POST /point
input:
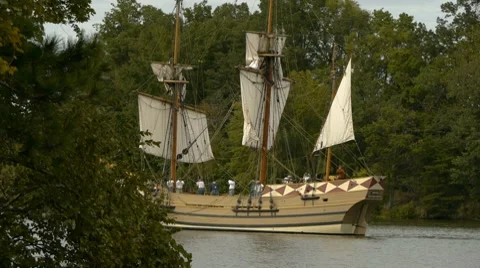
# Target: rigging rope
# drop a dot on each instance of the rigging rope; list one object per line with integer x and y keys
{"x": 288, "y": 150}
{"x": 363, "y": 158}
{"x": 166, "y": 196}
{"x": 226, "y": 117}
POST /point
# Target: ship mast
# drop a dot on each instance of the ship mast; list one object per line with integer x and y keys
{"x": 176, "y": 102}
{"x": 329, "y": 150}
{"x": 268, "y": 94}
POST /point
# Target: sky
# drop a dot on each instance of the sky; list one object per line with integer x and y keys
{"x": 425, "y": 11}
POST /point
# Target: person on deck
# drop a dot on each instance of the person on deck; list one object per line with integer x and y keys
{"x": 200, "y": 186}
{"x": 179, "y": 186}
{"x": 231, "y": 187}
{"x": 306, "y": 177}
{"x": 340, "y": 173}
{"x": 155, "y": 189}
{"x": 170, "y": 185}
{"x": 251, "y": 186}
{"x": 258, "y": 189}
{"x": 214, "y": 189}
{"x": 288, "y": 179}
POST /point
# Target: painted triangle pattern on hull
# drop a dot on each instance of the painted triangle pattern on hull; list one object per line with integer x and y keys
{"x": 350, "y": 185}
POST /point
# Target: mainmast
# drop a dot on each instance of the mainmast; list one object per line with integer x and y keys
{"x": 268, "y": 94}
{"x": 176, "y": 102}
{"x": 264, "y": 90}
{"x": 329, "y": 150}
{"x": 181, "y": 130}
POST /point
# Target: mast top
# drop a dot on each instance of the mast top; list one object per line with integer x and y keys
{"x": 270, "y": 16}
{"x": 176, "y": 51}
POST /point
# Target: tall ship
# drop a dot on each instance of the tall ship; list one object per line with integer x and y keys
{"x": 328, "y": 206}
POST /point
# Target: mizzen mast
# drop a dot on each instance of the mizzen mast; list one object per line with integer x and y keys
{"x": 329, "y": 150}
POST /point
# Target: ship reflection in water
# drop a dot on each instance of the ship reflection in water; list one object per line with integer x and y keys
{"x": 383, "y": 246}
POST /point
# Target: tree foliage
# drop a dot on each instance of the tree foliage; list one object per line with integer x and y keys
{"x": 21, "y": 20}
{"x": 70, "y": 183}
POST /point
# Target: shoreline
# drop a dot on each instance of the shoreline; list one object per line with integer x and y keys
{"x": 429, "y": 223}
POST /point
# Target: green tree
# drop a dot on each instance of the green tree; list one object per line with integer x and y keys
{"x": 70, "y": 187}
{"x": 463, "y": 83}
{"x": 21, "y": 20}
{"x": 388, "y": 60}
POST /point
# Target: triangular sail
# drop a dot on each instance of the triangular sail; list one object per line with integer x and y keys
{"x": 338, "y": 127}
{"x": 252, "y": 82}
{"x": 193, "y": 141}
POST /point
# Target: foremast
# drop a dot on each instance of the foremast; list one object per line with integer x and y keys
{"x": 181, "y": 131}
{"x": 176, "y": 104}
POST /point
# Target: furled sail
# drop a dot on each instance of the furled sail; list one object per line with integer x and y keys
{"x": 257, "y": 45}
{"x": 193, "y": 141}
{"x": 166, "y": 71}
{"x": 252, "y": 82}
{"x": 338, "y": 127}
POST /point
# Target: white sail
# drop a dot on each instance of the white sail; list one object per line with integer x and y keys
{"x": 193, "y": 141}
{"x": 252, "y": 83}
{"x": 253, "y": 103}
{"x": 338, "y": 127}
{"x": 165, "y": 71}
{"x": 256, "y": 43}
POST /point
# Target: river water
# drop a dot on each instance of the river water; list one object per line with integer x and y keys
{"x": 383, "y": 246}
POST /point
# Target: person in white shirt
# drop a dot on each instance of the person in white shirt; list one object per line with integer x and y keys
{"x": 170, "y": 185}
{"x": 288, "y": 179}
{"x": 179, "y": 186}
{"x": 231, "y": 187}
{"x": 306, "y": 177}
{"x": 201, "y": 186}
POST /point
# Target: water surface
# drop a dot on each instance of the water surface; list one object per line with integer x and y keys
{"x": 383, "y": 246}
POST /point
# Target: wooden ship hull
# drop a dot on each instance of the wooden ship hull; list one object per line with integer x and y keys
{"x": 340, "y": 207}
